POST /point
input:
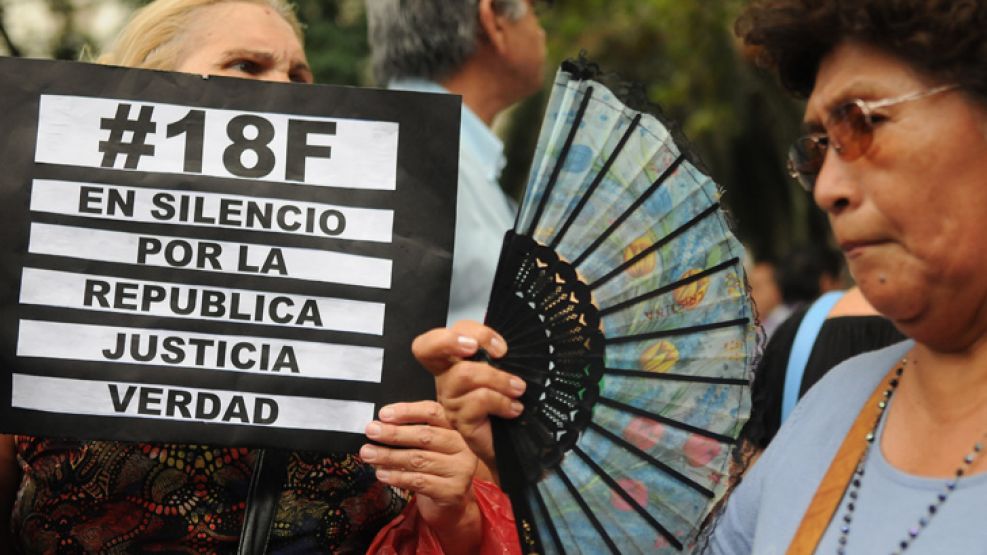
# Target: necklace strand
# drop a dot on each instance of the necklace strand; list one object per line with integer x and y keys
{"x": 853, "y": 490}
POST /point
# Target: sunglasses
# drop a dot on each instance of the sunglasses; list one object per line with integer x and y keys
{"x": 849, "y": 130}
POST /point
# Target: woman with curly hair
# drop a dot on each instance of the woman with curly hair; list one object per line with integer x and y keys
{"x": 885, "y": 454}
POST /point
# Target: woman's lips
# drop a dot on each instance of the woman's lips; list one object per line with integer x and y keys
{"x": 854, "y": 248}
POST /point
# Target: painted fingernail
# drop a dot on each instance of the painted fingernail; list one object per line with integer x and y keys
{"x": 497, "y": 346}
{"x": 518, "y": 385}
{"x": 467, "y": 343}
{"x": 373, "y": 429}
{"x": 516, "y": 408}
{"x": 368, "y": 452}
{"x": 383, "y": 474}
{"x": 387, "y": 413}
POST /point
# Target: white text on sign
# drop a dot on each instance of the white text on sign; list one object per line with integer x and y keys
{"x": 210, "y": 256}
{"x": 176, "y": 300}
{"x": 102, "y": 398}
{"x": 167, "y": 138}
{"x": 235, "y": 353}
{"x": 113, "y": 202}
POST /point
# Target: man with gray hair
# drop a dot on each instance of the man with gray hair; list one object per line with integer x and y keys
{"x": 492, "y": 53}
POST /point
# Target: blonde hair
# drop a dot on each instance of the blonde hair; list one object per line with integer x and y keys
{"x": 151, "y": 38}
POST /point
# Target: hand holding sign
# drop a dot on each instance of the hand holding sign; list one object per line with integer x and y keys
{"x": 430, "y": 459}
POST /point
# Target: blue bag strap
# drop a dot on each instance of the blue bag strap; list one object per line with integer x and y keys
{"x": 805, "y": 338}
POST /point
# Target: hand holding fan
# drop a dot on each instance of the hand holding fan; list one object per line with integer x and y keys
{"x": 622, "y": 297}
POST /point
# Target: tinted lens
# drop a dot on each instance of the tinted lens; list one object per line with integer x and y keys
{"x": 850, "y": 129}
{"x": 805, "y": 159}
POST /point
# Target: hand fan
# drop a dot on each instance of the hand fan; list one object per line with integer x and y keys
{"x": 622, "y": 297}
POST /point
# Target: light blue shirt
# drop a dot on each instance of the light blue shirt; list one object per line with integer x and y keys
{"x": 764, "y": 512}
{"x": 483, "y": 212}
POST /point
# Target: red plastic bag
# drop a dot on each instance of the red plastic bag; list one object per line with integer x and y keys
{"x": 408, "y": 534}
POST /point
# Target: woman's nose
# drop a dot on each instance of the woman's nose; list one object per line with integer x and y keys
{"x": 836, "y": 188}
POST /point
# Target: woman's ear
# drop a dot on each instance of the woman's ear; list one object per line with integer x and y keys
{"x": 491, "y": 26}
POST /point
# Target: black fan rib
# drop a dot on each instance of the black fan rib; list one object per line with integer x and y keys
{"x": 677, "y": 331}
{"x": 507, "y": 459}
{"x": 658, "y": 244}
{"x": 586, "y": 510}
{"x": 518, "y": 358}
{"x": 560, "y": 161}
{"x": 545, "y": 341}
{"x": 515, "y": 325}
{"x": 535, "y": 288}
{"x": 516, "y": 368}
{"x": 674, "y": 377}
{"x": 510, "y": 309}
{"x": 548, "y": 400}
{"x": 665, "y": 420}
{"x": 597, "y": 179}
{"x": 615, "y": 487}
{"x": 630, "y": 210}
{"x": 502, "y": 280}
{"x": 516, "y": 334}
{"x": 547, "y": 517}
{"x": 652, "y": 461}
{"x": 538, "y": 338}
{"x": 670, "y": 287}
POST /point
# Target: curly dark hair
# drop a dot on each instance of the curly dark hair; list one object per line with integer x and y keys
{"x": 942, "y": 39}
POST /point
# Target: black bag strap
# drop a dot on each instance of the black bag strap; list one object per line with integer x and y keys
{"x": 262, "y": 501}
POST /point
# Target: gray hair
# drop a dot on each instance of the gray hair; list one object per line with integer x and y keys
{"x": 429, "y": 39}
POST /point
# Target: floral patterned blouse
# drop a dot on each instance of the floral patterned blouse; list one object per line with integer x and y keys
{"x": 114, "y": 497}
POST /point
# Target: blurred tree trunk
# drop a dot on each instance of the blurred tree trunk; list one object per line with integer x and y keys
{"x": 8, "y": 44}
{"x": 69, "y": 41}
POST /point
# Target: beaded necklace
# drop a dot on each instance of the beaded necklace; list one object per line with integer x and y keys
{"x": 853, "y": 490}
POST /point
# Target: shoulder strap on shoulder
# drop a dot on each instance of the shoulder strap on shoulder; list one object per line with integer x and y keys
{"x": 833, "y": 486}
{"x": 805, "y": 338}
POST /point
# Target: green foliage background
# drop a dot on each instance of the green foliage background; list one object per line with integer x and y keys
{"x": 684, "y": 54}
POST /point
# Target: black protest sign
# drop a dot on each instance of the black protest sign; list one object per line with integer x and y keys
{"x": 217, "y": 260}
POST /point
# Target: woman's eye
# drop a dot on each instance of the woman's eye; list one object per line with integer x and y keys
{"x": 246, "y": 66}
{"x": 878, "y": 118}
